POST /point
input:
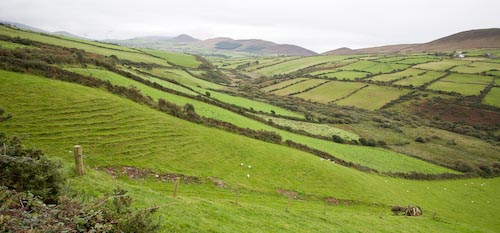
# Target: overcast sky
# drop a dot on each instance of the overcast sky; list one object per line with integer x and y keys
{"x": 319, "y": 25}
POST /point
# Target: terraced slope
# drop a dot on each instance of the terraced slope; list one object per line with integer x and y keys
{"x": 92, "y": 47}
{"x": 377, "y": 158}
{"x": 118, "y": 132}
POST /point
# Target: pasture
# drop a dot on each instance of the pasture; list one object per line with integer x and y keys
{"x": 442, "y": 65}
{"x": 460, "y": 88}
{"x": 493, "y": 97}
{"x": 297, "y": 64}
{"x": 467, "y": 78}
{"x": 477, "y": 67}
{"x": 372, "y": 97}
{"x": 421, "y": 79}
{"x": 282, "y": 84}
{"x": 184, "y": 148}
{"x": 377, "y": 158}
{"x": 92, "y": 47}
{"x": 299, "y": 87}
{"x": 330, "y": 91}
{"x": 398, "y": 75}
{"x": 344, "y": 75}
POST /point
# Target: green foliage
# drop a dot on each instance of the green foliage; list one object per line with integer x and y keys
{"x": 27, "y": 170}
{"x": 22, "y": 211}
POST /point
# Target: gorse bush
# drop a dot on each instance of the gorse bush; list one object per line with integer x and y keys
{"x": 24, "y": 212}
{"x": 28, "y": 170}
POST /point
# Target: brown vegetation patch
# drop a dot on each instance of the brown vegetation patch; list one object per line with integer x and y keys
{"x": 457, "y": 114}
{"x": 288, "y": 193}
{"x": 138, "y": 173}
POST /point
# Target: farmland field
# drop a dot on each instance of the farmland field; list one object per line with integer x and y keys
{"x": 373, "y": 97}
{"x": 326, "y": 130}
{"x": 183, "y": 77}
{"x": 420, "y": 80}
{"x": 298, "y": 87}
{"x": 493, "y": 97}
{"x": 461, "y": 88}
{"x": 344, "y": 75}
{"x": 442, "y": 65}
{"x": 297, "y": 64}
{"x": 283, "y": 84}
{"x": 417, "y": 60}
{"x": 394, "y": 76}
{"x": 467, "y": 78}
{"x": 182, "y": 59}
{"x": 214, "y": 153}
{"x": 330, "y": 91}
{"x": 476, "y": 67}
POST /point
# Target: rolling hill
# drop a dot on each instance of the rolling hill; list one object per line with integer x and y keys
{"x": 473, "y": 39}
{"x": 216, "y": 45}
{"x": 146, "y": 117}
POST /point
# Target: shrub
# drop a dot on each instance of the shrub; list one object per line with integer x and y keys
{"x": 29, "y": 170}
{"x": 109, "y": 214}
{"x": 337, "y": 139}
{"x": 420, "y": 139}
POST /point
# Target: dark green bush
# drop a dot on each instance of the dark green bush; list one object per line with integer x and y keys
{"x": 28, "y": 170}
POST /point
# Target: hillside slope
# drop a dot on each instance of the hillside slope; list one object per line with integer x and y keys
{"x": 218, "y": 44}
{"x": 117, "y": 132}
{"x": 473, "y": 39}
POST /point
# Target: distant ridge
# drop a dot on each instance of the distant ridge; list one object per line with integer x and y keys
{"x": 219, "y": 44}
{"x": 472, "y": 39}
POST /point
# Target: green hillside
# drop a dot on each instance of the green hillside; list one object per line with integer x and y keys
{"x": 118, "y": 132}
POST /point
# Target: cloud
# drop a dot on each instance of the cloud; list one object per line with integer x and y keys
{"x": 315, "y": 24}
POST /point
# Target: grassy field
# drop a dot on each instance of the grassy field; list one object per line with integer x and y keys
{"x": 186, "y": 60}
{"x": 264, "y": 62}
{"x": 493, "y": 97}
{"x": 420, "y": 80}
{"x": 252, "y": 104}
{"x": 297, "y": 64}
{"x": 373, "y": 97}
{"x": 326, "y": 130}
{"x": 398, "y": 75}
{"x": 417, "y": 60}
{"x": 373, "y": 67}
{"x": 183, "y": 77}
{"x": 343, "y": 75}
{"x": 381, "y": 159}
{"x": 117, "y": 132}
{"x": 93, "y": 47}
{"x": 330, "y": 91}
{"x": 11, "y": 45}
{"x": 467, "y": 78}
{"x": 476, "y": 68}
{"x": 282, "y": 84}
{"x": 299, "y": 86}
{"x": 461, "y": 88}
{"x": 442, "y": 65}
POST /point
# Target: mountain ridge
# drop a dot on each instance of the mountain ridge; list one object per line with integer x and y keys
{"x": 470, "y": 39}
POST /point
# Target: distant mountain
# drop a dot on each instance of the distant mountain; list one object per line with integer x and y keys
{"x": 215, "y": 45}
{"x": 23, "y": 26}
{"x": 67, "y": 34}
{"x": 183, "y": 38}
{"x": 473, "y": 39}
{"x": 341, "y": 51}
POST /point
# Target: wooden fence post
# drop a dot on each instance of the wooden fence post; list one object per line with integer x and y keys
{"x": 236, "y": 199}
{"x": 176, "y": 185}
{"x": 288, "y": 204}
{"x": 324, "y": 208}
{"x": 78, "y": 153}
